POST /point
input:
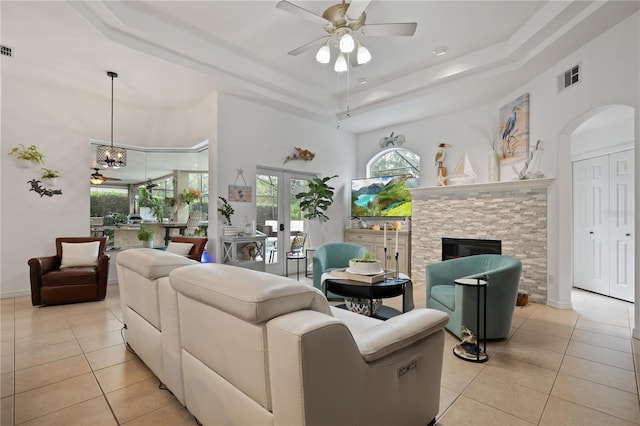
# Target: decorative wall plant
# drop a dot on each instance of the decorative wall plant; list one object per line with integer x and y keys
{"x": 29, "y": 154}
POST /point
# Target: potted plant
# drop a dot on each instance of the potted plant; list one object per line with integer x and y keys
{"x": 367, "y": 264}
{"x": 147, "y": 199}
{"x": 190, "y": 195}
{"x": 30, "y": 155}
{"x": 145, "y": 234}
{"x": 50, "y": 177}
{"x": 226, "y": 210}
{"x": 315, "y": 202}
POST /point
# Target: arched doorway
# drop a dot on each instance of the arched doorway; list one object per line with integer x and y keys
{"x": 599, "y": 131}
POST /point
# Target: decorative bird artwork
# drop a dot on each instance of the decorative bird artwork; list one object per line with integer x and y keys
{"x": 510, "y": 132}
{"x": 440, "y": 153}
{"x": 514, "y": 130}
{"x": 391, "y": 140}
{"x": 300, "y": 154}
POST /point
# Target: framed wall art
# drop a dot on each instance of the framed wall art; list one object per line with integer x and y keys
{"x": 514, "y": 130}
{"x": 240, "y": 193}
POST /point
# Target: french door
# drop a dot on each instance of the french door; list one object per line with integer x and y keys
{"x": 278, "y": 212}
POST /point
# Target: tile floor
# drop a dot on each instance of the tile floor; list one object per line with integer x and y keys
{"x": 67, "y": 365}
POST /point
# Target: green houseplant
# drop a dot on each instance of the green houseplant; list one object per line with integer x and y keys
{"x": 145, "y": 234}
{"x": 317, "y": 200}
{"x": 29, "y": 154}
{"x": 147, "y": 199}
{"x": 226, "y": 211}
{"x": 49, "y": 177}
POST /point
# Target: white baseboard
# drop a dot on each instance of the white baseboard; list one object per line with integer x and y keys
{"x": 15, "y": 293}
{"x": 559, "y": 305}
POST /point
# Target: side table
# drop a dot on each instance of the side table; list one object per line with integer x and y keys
{"x": 306, "y": 262}
{"x": 461, "y": 349}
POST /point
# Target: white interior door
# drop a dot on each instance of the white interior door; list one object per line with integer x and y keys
{"x": 591, "y": 224}
{"x": 622, "y": 225}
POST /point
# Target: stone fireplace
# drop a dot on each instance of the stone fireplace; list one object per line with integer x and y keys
{"x": 453, "y": 248}
{"x": 514, "y": 213}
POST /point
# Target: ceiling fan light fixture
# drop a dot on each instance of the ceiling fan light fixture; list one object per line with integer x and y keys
{"x": 341, "y": 64}
{"x": 96, "y": 181}
{"x": 364, "y": 55}
{"x": 347, "y": 44}
{"x": 324, "y": 54}
{"x": 110, "y": 156}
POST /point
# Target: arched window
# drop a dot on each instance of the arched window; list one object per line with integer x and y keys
{"x": 393, "y": 162}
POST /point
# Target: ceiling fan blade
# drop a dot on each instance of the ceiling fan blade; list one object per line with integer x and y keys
{"x": 315, "y": 43}
{"x": 304, "y": 13}
{"x": 398, "y": 29}
{"x": 108, "y": 178}
{"x": 356, "y": 7}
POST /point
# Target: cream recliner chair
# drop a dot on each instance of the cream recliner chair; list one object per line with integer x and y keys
{"x": 150, "y": 311}
{"x": 260, "y": 349}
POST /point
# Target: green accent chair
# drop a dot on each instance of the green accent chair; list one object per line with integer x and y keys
{"x": 332, "y": 256}
{"x": 460, "y": 302}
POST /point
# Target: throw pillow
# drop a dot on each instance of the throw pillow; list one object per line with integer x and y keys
{"x": 182, "y": 249}
{"x": 79, "y": 254}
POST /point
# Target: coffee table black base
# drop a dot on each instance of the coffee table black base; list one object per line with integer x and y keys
{"x": 384, "y": 313}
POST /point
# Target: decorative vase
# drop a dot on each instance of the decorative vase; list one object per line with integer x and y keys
{"x": 494, "y": 167}
{"x": 50, "y": 182}
{"x": 147, "y": 244}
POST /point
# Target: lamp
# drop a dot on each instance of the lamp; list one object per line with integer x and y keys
{"x": 111, "y": 156}
{"x": 346, "y": 44}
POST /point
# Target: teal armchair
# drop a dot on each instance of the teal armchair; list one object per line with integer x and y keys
{"x": 332, "y": 256}
{"x": 460, "y": 302}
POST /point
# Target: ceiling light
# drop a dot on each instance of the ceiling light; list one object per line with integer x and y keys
{"x": 96, "y": 181}
{"x": 439, "y": 51}
{"x": 324, "y": 54}
{"x": 341, "y": 64}
{"x": 364, "y": 55}
{"x": 111, "y": 156}
{"x": 347, "y": 44}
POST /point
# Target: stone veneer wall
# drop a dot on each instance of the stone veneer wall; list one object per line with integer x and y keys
{"x": 517, "y": 217}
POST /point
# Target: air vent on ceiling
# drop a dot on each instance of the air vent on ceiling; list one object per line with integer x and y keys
{"x": 569, "y": 78}
{"x": 6, "y": 51}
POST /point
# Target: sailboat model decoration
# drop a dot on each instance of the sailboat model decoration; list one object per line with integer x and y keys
{"x": 463, "y": 174}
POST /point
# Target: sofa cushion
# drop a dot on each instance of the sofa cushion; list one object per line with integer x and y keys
{"x": 252, "y": 296}
{"x": 78, "y": 275}
{"x": 445, "y": 294}
{"x": 181, "y": 249}
{"x": 79, "y": 254}
{"x": 151, "y": 263}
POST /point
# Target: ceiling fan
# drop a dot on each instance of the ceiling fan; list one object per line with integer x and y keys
{"x": 344, "y": 19}
{"x": 98, "y": 178}
{"x": 149, "y": 185}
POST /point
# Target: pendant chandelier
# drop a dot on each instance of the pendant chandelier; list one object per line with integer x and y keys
{"x": 111, "y": 156}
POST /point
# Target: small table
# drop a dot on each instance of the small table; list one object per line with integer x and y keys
{"x": 391, "y": 287}
{"x": 297, "y": 256}
{"x": 458, "y": 350}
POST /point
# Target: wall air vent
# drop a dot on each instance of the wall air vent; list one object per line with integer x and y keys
{"x": 6, "y": 51}
{"x": 569, "y": 78}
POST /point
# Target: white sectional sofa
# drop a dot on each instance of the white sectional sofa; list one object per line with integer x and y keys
{"x": 260, "y": 349}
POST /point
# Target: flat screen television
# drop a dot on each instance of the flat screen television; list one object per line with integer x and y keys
{"x": 382, "y": 196}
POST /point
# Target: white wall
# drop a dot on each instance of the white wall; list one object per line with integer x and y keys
{"x": 251, "y": 134}
{"x": 610, "y": 65}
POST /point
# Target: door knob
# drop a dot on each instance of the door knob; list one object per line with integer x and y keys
{"x": 591, "y": 232}
{"x": 627, "y": 235}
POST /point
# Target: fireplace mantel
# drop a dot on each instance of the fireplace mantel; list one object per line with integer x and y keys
{"x": 515, "y": 185}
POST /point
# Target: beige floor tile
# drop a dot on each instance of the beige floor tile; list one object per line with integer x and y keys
{"x": 120, "y": 375}
{"x": 6, "y": 411}
{"x": 171, "y": 414}
{"x": 41, "y": 327}
{"x": 137, "y": 400}
{"x": 614, "y": 377}
{"x": 92, "y": 412}
{"x": 456, "y": 373}
{"x": 100, "y": 341}
{"x": 517, "y": 321}
{"x": 85, "y": 318}
{"x": 544, "y": 327}
{"x": 520, "y": 372}
{"x": 47, "y": 399}
{"x": 606, "y": 316}
{"x": 512, "y": 398}
{"x": 41, "y": 340}
{"x": 447, "y": 396}
{"x": 596, "y": 396}
{"x": 465, "y": 411}
{"x": 52, "y": 372}
{"x": 600, "y": 354}
{"x": 7, "y": 364}
{"x": 565, "y": 317}
{"x": 7, "y": 384}
{"x": 47, "y": 354}
{"x": 598, "y": 327}
{"x": 560, "y": 412}
{"x": 604, "y": 340}
{"x": 536, "y": 356}
{"x": 85, "y": 307}
{"x": 539, "y": 340}
{"x": 97, "y": 328}
{"x": 107, "y": 357}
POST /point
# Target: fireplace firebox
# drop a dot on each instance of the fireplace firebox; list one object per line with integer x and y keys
{"x": 453, "y": 248}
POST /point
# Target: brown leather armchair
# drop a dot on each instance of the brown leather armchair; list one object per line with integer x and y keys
{"x": 51, "y": 285}
{"x": 199, "y": 244}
